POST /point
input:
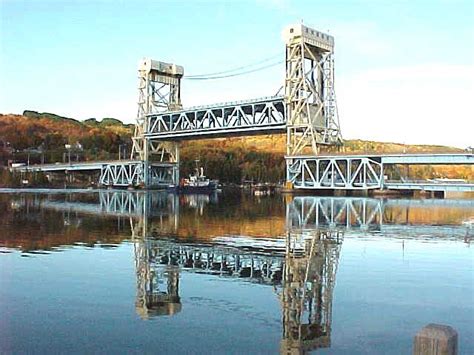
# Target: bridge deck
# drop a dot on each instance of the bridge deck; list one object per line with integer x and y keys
{"x": 85, "y": 166}
{"x": 432, "y": 159}
{"x": 430, "y": 186}
{"x": 251, "y": 117}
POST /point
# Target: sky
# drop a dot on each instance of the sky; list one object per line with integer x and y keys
{"x": 404, "y": 69}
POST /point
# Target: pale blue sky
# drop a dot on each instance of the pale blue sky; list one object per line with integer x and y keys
{"x": 404, "y": 69}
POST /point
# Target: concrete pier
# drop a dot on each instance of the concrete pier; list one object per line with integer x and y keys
{"x": 436, "y": 339}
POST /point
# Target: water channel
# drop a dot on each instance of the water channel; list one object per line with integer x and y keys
{"x": 123, "y": 271}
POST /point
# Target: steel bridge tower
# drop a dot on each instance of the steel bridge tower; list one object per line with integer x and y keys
{"x": 310, "y": 99}
{"x": 159, "y": 90}
{"x": 312, "y": 117}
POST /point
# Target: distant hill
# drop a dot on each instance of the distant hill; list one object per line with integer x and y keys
{"x": 42, "y": 137}
{"x": 48, "y": 133}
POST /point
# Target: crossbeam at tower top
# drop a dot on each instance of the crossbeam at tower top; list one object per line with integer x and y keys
{"x": 311, "y": 36}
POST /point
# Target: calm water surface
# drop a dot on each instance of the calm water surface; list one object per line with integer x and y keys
{"x": 116, "y": 272}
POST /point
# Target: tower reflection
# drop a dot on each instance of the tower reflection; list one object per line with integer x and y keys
{"x": 157, "y": 282}
{"x": 309, "y": 275}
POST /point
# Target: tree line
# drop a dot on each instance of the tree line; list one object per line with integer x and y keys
{"x": 42, "y": 138}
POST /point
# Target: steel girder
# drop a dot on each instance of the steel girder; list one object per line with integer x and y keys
{"x": 245, "y": 117}
{"x": 163, "y": 175}
{"x": 126, "y": 174}
{"x": 340, "y": 173}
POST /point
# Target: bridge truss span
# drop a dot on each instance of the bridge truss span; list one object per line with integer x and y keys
{"x": 132, "y": 173}
{"x": 122, "y": 174}
{"x": 260, "y": 116}
{"x": 335, "y": 172}
{"x": 368, "y": 172}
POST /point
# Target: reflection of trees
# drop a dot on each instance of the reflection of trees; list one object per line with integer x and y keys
{"x": 92, "y": 218}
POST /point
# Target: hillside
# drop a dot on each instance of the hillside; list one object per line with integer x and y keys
{"x": 43, "y": 136}
{"x": 260, "y": 158}
{"x": 276, "y": 144}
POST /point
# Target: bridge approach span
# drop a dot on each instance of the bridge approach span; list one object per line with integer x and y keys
{"x": 119, "y": 173}
{"x": 364, "y": 172}
{"x": 74, "y": 166}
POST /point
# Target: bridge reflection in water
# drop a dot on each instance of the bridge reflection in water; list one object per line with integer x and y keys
{"x": 299, "y": 260}
{"x": 302, "y": 268}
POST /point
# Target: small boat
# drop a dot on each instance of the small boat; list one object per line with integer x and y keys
{"x": 196, "y": 183}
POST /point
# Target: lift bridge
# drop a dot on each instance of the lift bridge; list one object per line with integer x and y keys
{"x": 306, "y": 112}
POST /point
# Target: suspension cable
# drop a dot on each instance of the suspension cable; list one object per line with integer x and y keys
{"x": 212, "y": 77}
{"x": 237, "y": 68}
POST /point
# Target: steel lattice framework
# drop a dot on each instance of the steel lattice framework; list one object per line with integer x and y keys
{"x": 358, "y": 172}
{"x": 122, "y": 174}
{"x": 260, "y": 116}
{"x": 307, "y": 112}
{"x": 159, "y": 90}
{"x": 312, "y": 117}
{"x": 345, "y": 172}
{"x": 133, "y": 174}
